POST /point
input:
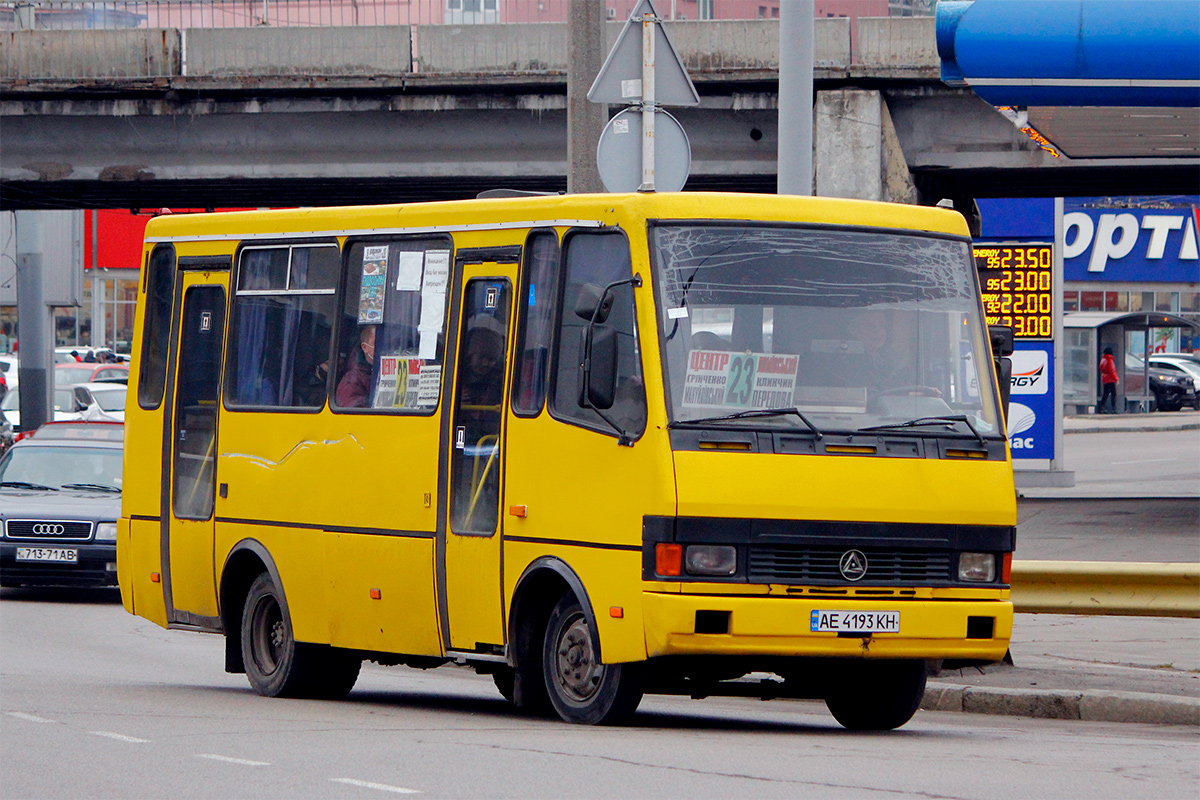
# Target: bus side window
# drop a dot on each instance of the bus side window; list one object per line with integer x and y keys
{"x": 156, "y": 331}
{"x": 598, "y": 259}
{"x": 392, "y": 329}
{"x": 283, "y": 316}
{"x": 539, "y": 289}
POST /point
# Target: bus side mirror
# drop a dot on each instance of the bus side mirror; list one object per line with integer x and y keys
{"x": 1004, "y": 375}
{"x": 594, "y": 303}
{"x": 1001, "y": 340}
{"x": 601, "y": 376}
{"x": 1001, "y": 337}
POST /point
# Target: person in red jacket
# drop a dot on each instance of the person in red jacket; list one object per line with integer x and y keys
{"x": 1108, "y": 382}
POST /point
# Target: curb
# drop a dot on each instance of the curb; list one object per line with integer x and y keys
{"x": 1187, "y": 426}
{"x": 1094, "y": 705}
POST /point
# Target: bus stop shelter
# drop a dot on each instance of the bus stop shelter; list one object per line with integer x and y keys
{"x": 1085, "y": 336}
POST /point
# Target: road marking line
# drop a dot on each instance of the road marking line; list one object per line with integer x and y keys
{"x": 383, "y": 787}
{"x": 228, "y": 759}
{"x": 120, "y": 737}
{"x": 27, "y": 717}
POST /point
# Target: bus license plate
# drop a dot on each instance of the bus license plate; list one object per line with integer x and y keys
{"x": 47, "y": 554}
{"x": 855, "y": 621}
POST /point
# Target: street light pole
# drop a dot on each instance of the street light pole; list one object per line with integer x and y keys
{"x": 795, "y": 162}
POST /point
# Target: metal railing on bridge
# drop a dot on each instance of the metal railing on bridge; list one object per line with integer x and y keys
{"x": 182, "y": 14}
{"x": 233, "y": 39}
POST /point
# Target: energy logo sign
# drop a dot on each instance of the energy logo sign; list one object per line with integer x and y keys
{"x": 1031, "y": 410}
{"x": 1030, "y": 372}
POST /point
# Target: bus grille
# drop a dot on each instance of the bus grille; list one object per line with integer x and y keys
{"x": 48, "y": 530}
{"x": 803, "y": 564}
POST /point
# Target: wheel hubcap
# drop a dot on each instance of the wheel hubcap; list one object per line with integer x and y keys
{"x": 269, "y": 635}
{"x": 576, "y": 670}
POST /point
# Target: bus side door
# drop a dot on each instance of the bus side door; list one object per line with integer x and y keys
{"x": 473, "y": 611}
{"x": 190, "y": 450}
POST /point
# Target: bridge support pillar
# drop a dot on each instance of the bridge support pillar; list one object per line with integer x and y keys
{"x": 857, "y": 152}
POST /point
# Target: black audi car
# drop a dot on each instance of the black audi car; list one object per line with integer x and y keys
{"x": 60, "y": 498}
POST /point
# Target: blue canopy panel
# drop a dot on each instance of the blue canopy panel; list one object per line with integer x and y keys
{"x": 1073, "y": 52}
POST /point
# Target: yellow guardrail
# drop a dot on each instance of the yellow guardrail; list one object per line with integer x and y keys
{"x": 1106, "y": 587}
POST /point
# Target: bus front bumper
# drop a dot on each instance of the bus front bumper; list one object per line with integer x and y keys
{"x": 680, "y": 624}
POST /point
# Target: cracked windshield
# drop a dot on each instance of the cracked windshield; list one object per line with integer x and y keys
{"x": 851, "y": 328}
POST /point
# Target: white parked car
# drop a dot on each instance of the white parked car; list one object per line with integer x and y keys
{"x": 70, "y": 403}
{"x": 1178, "y": 362}
{"x": 109, "y": 405}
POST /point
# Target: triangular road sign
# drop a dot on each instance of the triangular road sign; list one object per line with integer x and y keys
{"x": 620, "y": 79}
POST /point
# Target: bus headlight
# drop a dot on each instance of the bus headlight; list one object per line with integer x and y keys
{"x": 976, "y": 567}
{"x": 710, "y": 559}
{"x": 106, "y": 532}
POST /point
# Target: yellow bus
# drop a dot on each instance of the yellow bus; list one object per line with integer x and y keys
{"x": 595, "y": 446}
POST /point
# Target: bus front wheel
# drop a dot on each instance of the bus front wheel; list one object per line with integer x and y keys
{"x": 877, "y": 695}
{"x": 279, "y": 666}
{"x": 581, "y": 689}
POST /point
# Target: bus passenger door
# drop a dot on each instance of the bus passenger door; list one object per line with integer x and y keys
{"x": 474, "y": 612}
{"x": 189, "y": 487}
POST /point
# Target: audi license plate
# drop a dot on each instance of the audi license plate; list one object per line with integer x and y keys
{"x": 855, "y": 621}
{"x": 47, "y": 554}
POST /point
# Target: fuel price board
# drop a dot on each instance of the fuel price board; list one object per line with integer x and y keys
{"x": 1017, "y": 284}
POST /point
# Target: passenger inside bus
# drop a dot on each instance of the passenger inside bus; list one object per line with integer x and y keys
{"x": 354, "y": 389}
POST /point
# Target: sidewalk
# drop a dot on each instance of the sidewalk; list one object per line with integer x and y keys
{"x": 1094, "y": 668}
{"x": 1182, "y": 420}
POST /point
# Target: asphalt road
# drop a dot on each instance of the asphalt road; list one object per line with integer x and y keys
{"x": 1118, "y": 529}
{"x": 1136, "y": 498}
{"x": 1148, "y": 463}
{"x": 99, "y": 704}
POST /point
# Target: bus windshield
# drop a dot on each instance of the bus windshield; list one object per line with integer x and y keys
{"x": 853, "y": 328}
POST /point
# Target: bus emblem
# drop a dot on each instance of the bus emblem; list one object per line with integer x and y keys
{"x": 853, "y": 565}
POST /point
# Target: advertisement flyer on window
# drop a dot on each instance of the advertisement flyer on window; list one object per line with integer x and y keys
{"x": 407, "y": 383}
{"x": 721, "y": 380}
{"x": 374, "y": 284}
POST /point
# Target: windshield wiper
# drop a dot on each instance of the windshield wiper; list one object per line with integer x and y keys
{"x": 914, "y": 423}
{"x": 99, "y": 487}
{"x": 753, "y": 412}
{"x": 27, "y": 485}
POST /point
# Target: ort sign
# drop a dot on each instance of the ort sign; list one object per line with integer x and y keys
{"x": 1104, "y": 241}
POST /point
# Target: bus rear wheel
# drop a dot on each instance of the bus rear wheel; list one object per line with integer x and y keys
{"x": 279, "y": 666}
{"x": 877, "y": 695}
{"x": 581, "y": 689}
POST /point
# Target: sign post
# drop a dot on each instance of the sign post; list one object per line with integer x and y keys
{"x": 648, "y": 105}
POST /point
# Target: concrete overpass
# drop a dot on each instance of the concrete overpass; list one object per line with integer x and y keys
{"x": 307, "y": 116}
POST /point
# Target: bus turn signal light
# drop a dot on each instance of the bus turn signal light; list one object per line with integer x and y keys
{"x": 668, "y": 559}
{"x": 155, "y": 577}
{"x": 376, "y": 594}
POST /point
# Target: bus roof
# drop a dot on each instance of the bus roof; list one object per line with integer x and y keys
{"x": 550, "y": 211}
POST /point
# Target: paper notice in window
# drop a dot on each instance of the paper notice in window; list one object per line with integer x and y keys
{"x": 374, "y": 284}
{"x": 434, "y": 284}
{"x": 428, "y": 385}
{"x": 408, "y": 271}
